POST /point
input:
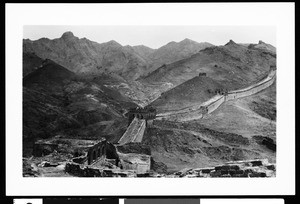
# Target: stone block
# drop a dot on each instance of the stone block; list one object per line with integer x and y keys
{"x": 224, "y": 172}
{"x": 215, "y": 173}
{"x": 232, "y": 172}
{"x": 271, "y": 167}
{"x": 234, "y": 167}
{"x": 239, "y": 172}
{"x": 257, "y": 174}
{"x": 256, "y": 163}
{"x": 225, "y": 167}
{"x": 206, "y": 171}
{"x": 248, "y": 171}
{"x": 244, "y": 175}
{"x": 226, "y": 175}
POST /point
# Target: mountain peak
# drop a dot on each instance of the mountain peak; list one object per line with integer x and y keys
{"x": 186, "y": 40}
{"x": 231, "y": 42}
{"x": 67, "y": 35}
{"x": 113, "y": 43}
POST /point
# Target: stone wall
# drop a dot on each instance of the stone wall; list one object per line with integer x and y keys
{"x": 96, "y": 151}
{"x": 215, "y": 104}
{"x": 252, "y": 89}
{"x": 134, "y": 132}
{"x": 140, "y": 132}
{"x": 87, "y": 171}
{"x": 237, "y": 169}
{"x": 198, "y": 112}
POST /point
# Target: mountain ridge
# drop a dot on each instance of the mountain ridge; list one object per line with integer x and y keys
{"x": 82, "y": 55}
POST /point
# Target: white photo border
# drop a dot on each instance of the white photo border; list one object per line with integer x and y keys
{"x": 280, "y": 15}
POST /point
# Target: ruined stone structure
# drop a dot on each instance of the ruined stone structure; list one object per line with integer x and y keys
{"x": 140, "y": 163}
{"x": 66, "y": 145}
{"x": 85, "y": 151}
{"x": 96, "y": 151}
{"x": 236, "y": 169}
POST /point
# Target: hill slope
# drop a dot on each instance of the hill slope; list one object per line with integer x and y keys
{"x": 174, "y": 51}
{"x": 232, "y": 65}
{"x": 57, "y": 101}
{"x": 194, "y": 91}
{"x": 31, "y": 62}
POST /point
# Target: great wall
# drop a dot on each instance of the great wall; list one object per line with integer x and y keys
{"x": 136, "y": 129}
{"x": 99, "y": 158}
{"x": 134, "y": 132}
{"x": 199, "y": 111}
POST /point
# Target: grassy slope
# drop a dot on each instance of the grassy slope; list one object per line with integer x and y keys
{"x": 194, "y": 91}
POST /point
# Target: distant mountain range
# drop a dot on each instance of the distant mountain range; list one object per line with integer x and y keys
{"x": 81, "y": 55}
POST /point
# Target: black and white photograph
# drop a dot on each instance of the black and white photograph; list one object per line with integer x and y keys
{"x": 187, "y": 108}
{"x": 150, "y": 99}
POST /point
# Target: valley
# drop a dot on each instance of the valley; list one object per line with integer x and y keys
{"x": 76, "y": 90}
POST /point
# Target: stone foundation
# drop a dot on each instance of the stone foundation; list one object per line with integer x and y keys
{"x": 237, "y": 169}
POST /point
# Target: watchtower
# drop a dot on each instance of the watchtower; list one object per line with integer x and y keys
{"x": 148, "y": 113}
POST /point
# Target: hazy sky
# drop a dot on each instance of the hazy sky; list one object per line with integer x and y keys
{"x": 157, "y": 36}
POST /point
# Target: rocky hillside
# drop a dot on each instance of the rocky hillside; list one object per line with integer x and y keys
{"x": 263, "y": 46}
{"x": 232, "y": 65}
{"x": 57, "y": 101}
{"x": 194, "y": 91}
{"x": 197, "y": 144}
{"x": 31, "y": 62}
{"x": 171, "y": 52}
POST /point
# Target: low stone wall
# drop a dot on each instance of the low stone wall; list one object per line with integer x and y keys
{"x": 81, "y": 159}
{"x": 85, "y": 171}
{"x": 140, "y": 163}
{"x": 215, "y": 104}
{"x": 82, "y": 171}
{"x": 252, "y": 89}
{"x": 243, "y": 169}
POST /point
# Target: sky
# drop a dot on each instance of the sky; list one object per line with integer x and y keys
{"x": 157, "y": 36}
